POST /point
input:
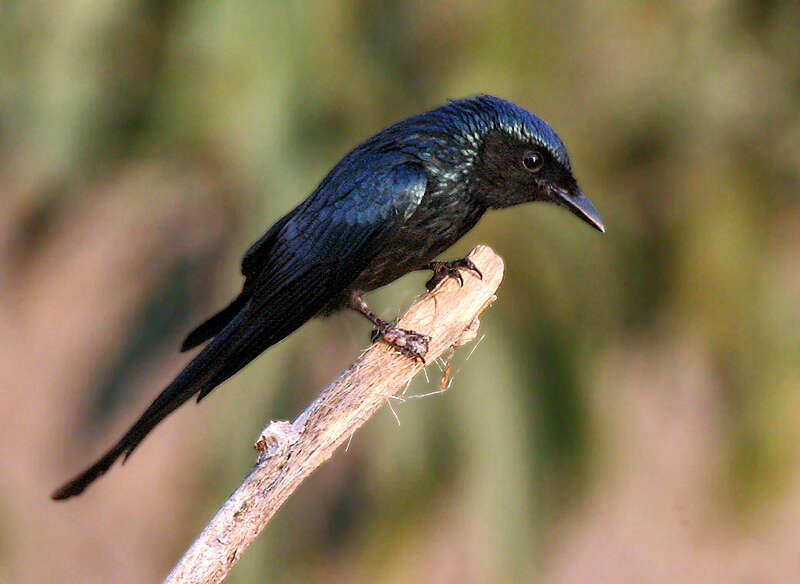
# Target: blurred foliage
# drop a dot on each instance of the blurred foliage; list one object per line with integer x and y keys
{"x": 683, "y": 122}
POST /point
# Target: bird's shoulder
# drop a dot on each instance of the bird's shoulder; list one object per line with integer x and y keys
{"x": 362, "y": 191}
{"x": 363, "y": 196}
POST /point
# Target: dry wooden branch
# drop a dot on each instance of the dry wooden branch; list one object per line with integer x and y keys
{"x": 289, "y": 452}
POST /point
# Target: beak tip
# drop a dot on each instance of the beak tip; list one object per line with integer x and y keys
{"x": 581, "y": 206}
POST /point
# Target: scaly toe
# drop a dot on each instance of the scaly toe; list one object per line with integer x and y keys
{"x": 409, "y": 343}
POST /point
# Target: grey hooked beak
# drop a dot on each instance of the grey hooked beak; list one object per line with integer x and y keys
{"x": 581, "y": 206}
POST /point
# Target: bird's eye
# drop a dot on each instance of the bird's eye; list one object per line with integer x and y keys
{"x": 532, "y": 161}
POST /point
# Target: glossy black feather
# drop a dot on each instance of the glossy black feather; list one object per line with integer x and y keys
{"x": 387, "y": 208}
{"x": 316, "y": 253}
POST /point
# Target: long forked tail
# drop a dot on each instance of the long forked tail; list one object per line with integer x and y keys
{"x": 176, "y": 393}
{"x": 202, "y": 373}
{"x": 241, "y": 341}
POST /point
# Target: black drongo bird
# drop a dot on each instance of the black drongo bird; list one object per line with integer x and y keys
{"x": 389, "y": 207}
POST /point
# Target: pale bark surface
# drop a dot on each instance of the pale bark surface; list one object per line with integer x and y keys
{"x": 289, "y": 452}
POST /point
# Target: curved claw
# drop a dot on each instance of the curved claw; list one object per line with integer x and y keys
{"x": 451, "y": 269}
{"x": 470, "y": 265}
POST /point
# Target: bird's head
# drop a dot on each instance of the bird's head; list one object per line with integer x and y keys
{"x": 520, "y": 159}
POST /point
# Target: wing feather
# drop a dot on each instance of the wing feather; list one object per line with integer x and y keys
{"x": 308, "y": 257}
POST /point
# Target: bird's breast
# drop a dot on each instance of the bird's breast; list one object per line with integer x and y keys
{"x": 436, "y": 225}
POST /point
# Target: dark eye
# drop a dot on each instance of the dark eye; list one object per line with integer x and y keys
{"x": 532, "y": 161}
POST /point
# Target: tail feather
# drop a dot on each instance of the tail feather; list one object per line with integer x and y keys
{"x": 212, "y": 326}
{"x": 246, "y": 336}
{"x": 201, "y": 371}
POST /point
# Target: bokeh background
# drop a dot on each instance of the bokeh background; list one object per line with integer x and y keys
{"x": 633, "y": 412}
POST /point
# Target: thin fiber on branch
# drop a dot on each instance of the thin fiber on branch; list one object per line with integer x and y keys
{"x": 289, "y": 452}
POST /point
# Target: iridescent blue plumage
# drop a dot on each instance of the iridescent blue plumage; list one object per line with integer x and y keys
{"x": 389, "y": 207}
{"x": 468, "y": 120}
{"x": 483, "y": 113}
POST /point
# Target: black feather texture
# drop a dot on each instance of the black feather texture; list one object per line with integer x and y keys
{"x": 387, "y": 208}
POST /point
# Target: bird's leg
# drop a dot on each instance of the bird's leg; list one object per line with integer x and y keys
{"x": 409, "y": 343}
{"x": 451, "y": 269}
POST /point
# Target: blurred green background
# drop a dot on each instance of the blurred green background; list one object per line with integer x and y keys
{"x": 632, "y": 414}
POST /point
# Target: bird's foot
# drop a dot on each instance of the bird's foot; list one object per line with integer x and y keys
{"x": 451, "y": 269}
{"x": 409, "y": 343}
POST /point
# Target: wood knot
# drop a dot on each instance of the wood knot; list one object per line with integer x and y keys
{"x": 276, "y": 438}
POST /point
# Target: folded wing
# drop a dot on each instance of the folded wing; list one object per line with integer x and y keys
{"x": 320, "y": 247}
